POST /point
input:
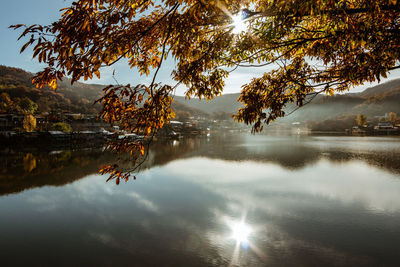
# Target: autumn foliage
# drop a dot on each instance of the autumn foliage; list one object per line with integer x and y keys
{"x": 316, "y": 46}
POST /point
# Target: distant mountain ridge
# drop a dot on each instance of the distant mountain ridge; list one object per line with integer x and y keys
{"x": 225, "y": 103}
{"x": 373, "y": 101}
{"x": 388, "y": 88}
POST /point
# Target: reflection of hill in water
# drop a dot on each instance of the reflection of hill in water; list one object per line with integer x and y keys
{"x": 26, "y": 170}
{"x": 36, "y": 168}
{"x": 235, "y": 148}
{"x": 290, "y": 152}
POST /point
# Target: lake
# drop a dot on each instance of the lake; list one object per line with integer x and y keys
{"x": 226, "y": 200}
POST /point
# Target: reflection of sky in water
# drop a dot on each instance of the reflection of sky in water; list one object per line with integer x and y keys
{"x": 350, "y": 143}
{"x": 346, "y": 182}
{"x": 357, "y": 143}
{"x": 211, "y": 212}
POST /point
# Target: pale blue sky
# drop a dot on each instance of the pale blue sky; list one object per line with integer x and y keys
{"x": 23, "y": 12}
{"x": 45, "y": 11}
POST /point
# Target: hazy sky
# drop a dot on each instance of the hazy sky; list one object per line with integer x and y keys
{"x": 45, "y": 11}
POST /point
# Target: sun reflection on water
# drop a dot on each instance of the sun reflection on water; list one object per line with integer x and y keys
{"x": 240, "y": 232}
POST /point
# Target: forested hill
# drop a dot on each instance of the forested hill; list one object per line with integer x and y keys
{"x": 374, "y": 101}
{"x": 221, "y": 104}
{"x": 76, "y": 98}
{"x": 390, "y": 88}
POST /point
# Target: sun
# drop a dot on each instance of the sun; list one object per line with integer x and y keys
{"x": 239, "y": 25}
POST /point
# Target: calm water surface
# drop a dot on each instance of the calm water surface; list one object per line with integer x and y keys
{"x": 230, "y": 200}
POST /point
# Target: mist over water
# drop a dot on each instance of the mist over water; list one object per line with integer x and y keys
{"x": 227, "y": 200}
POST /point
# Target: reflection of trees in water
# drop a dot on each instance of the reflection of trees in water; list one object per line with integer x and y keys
{"x": 36, "y": 167}
{"x": 22, "y": 170}
{"x": 29, "y": 162}
{"x": 388, "y": 160}
{"x": 289, "y": 152}
{"x": 234, "y": 148}
{"x": 291, "y": 155}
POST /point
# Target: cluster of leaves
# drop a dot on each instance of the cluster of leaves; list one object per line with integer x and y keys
{"x": 318, "y": 46}
{"x": 114, "y": 173}
{"x": 140, "y": 110}
{"x": 321, "y": 46}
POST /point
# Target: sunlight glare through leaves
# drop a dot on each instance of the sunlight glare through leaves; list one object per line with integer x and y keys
{"x": 239, "y": 25}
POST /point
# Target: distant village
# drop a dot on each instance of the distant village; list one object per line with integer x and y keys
{"x": 358, "y": 125}
{"x": 76, "y": 128}
{"x": 389, "y": 124}
{"x": 88, "y": 128}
